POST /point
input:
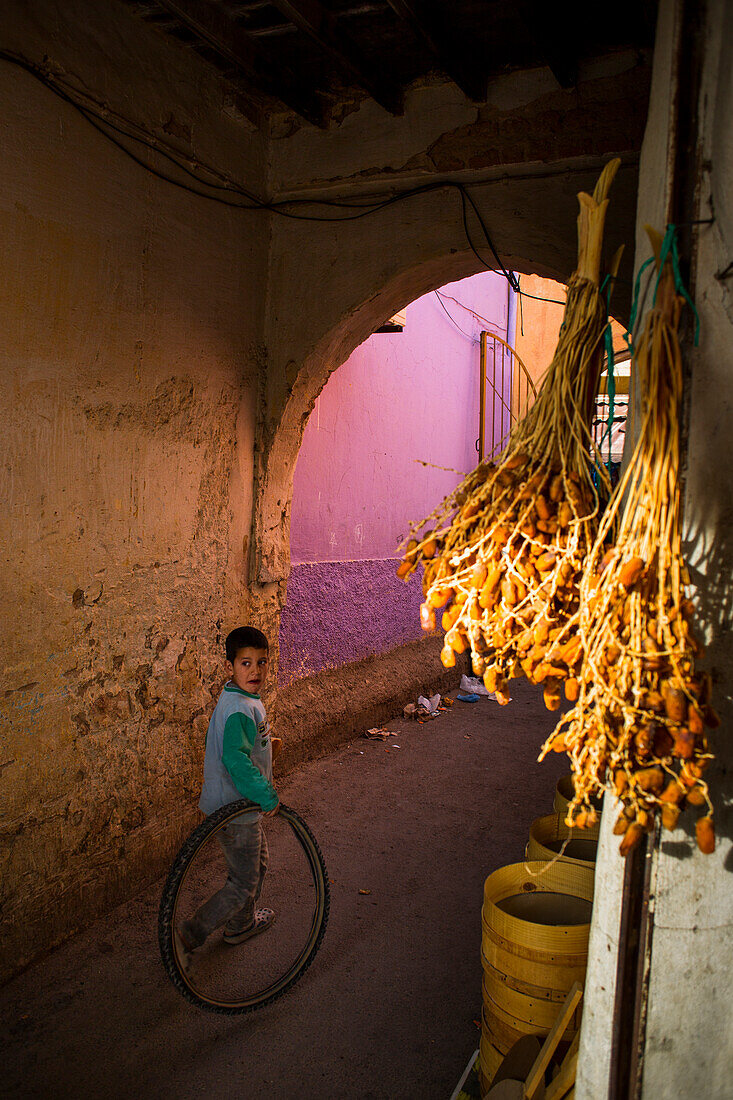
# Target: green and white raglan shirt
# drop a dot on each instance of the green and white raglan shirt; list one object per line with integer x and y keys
{"x": 238, "y": 758}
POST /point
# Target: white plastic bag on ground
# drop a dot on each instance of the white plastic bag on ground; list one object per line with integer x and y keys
{"x": 475, "y": 685}
{"x": 431, "y": 704}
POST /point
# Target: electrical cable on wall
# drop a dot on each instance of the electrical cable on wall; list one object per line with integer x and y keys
{"x": 452, "y": 320}
{"x": 537, "y": 298}
{"x": 478, "y": 316}
{"x": 222, "y": 189}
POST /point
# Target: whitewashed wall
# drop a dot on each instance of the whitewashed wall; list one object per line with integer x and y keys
{"x": 688, "y": 1049}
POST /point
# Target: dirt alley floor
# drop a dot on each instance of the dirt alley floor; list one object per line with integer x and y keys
{"x": 387, "y": 1009}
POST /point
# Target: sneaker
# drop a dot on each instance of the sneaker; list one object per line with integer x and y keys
{"x": 261, "y": 921}
{"x": 241, "y": 921}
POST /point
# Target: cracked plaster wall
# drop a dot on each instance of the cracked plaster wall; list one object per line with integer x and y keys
{"x": 687, "y": 1038}
{"x": 130, "y": 312}
{"x": 526, "y": 120}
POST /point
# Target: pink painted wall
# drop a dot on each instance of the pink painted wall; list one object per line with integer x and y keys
{"x": 400, "y": 400}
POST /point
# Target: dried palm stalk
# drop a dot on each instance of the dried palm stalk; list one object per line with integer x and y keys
{"x": 505, "y": 551}
{"x": 639, "y": 722}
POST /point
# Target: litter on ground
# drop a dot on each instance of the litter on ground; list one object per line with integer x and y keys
{"x": 425, "y": 708}
{"x": 474, "y": 685}
{"x": 431, "y": 705}
{"x": 376, "y": 733}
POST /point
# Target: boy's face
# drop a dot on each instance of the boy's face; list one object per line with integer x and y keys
{"x": 249, "y": 669}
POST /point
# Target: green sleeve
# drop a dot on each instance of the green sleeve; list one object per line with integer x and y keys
{"x": 239, "y": 738}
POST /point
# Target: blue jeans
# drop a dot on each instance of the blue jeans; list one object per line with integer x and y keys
{"x": 245, "y": 850}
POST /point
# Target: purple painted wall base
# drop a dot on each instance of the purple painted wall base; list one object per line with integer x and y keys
{"x": 342, "y": 611}
{"x": 390, "y": 435}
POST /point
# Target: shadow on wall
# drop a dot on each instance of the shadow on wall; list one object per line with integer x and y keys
{"x": 340, "y": 612}
{"x": 708, "y": 552}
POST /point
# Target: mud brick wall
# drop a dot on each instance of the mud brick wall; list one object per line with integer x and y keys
{"x": 130, "y": 366}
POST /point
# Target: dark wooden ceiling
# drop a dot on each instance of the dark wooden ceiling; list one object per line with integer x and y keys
{"x": 320, "y": 57}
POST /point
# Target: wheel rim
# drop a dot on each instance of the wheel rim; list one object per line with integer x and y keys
{"x": 176, "y": 882}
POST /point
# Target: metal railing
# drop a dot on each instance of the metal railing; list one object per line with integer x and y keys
{"x": 506, "y": 392}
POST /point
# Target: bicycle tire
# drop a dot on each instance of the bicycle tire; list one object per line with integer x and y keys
{"x": 176, "y": 878}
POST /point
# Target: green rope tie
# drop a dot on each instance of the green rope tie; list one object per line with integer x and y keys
{"x": 669, "y": 249}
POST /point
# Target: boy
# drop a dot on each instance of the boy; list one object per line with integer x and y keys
{"x": 237, "y": 764}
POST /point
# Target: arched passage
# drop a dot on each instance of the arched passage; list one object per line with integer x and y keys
{"x": 272, "y": 506}
{"x": 389, "y": 436}
{"x": 409, "y": 252}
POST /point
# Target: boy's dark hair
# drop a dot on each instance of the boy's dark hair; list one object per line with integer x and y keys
{"x": 244, "y": 637}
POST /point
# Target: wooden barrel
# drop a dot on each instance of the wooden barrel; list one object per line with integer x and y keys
{"x": 549, "y": 833}
{"x": 536, "y": 923}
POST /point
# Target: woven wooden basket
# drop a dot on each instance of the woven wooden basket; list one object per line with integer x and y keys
{"x": 502, "y": 1029}
{"x": 536, "y": 923}
{"x": 532, "y": 973}
{"x": 547, "y": 835}
{"x": 564, "y": 794}
{"x": 489, "y": 1060}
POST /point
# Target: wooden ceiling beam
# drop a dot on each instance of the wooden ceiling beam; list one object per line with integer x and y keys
{"x": 221, "y": 33}
{"x": 456, "y": 57}
{"x": 320, "y": 25}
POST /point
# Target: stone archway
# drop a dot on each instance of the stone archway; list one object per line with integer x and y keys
{"x": 272, "y": 508}
{"x": 409, "y": 253}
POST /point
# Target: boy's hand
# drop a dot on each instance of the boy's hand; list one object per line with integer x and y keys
{"x": 271, "y": 813}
